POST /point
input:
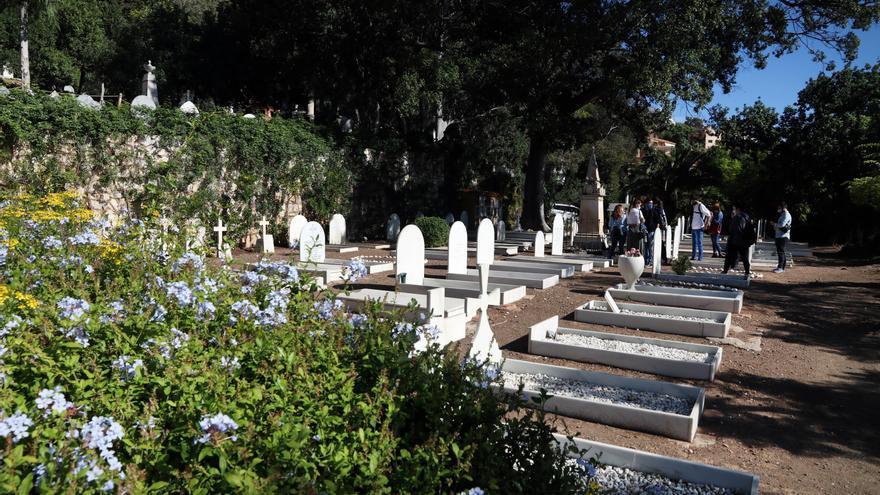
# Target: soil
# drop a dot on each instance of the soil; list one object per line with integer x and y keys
{"x": 796, "y": 400}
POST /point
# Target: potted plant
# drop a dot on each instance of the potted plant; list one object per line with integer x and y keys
{"x": 631, "y": 265}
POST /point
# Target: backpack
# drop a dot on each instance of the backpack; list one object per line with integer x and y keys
{"x": 749, "y": 235}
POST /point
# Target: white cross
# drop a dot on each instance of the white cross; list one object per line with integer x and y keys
{"x": 219, "y": 229}
{"x": 263, "y": 223}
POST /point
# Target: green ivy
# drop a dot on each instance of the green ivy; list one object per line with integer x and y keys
{"x": 242, "y": 167}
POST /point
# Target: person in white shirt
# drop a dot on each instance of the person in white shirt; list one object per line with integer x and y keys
{"x": 783, "y": 234}
{"x": 634, "y": 221}
{"x": 700, "y": 217}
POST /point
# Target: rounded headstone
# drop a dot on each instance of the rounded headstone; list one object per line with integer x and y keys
{"x": 294, "y": 229}
{"x": 656, "y": 250}
{"x": 87, "y": 101}
{"x": 250, "y": 116}
{"x": 485, "y": 242}
{"x": 539, "y": 244}
{"x": 143, "y": 101}
{"x": 392, "y": 227}
{"x": 411, "y": 255}
{"x": 458, "y": 249}
{"x": 558, "y": 235}
{"x": 311, "y": 243}
{"x": 337, "y": 229}
{"x": 500, "y": 231}
{"x": 68, "y": 89}
{"x": 189, "y": 108}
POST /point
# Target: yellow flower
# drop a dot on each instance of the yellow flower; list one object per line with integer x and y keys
{"x": 26, "y": 301}
{"x": 4, "y": 293}
{"x": 11, "y": 242}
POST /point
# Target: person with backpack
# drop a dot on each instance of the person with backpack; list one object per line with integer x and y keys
{"x": 700, "y": 219}
{"x": 714, "y": 230}
{"x": 741, "y": 236}
{"x": 783, "y": 234}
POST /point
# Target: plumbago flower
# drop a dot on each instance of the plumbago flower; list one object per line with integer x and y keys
{"x": 127, "y": 366}
{"x": 188, "y": 260}
{"x": 85, "y": 238}
{"x": 16, "y": 426}
{"x": 180, "y": 292}
{"x": 53, "y": 401}
{"x": 354, "y": 270}
{"x": 73, "y": 309}
{"x": 217, "y": 428}
{"x": 326, "y": 308}
{"x": 98, "y": 435}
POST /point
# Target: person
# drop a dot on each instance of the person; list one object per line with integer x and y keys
{"x": 635, "y": 226}
{"x": 783, "y": 234}
{"x": 741, "y": 236}
{"x": 660, "y": 216}
{"x": 616, "y": 230}
{"x": 715, "y": 230}
{"x": 700, "y": 217}
{"x": 652, "y": 221}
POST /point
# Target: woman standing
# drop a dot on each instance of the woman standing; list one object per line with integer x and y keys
{"x": 715, "y": 230}
{"x": 615, "y": 229}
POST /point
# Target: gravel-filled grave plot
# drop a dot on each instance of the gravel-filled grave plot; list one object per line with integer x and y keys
{"x": 691, "y": 285}
{"x": 643, "y": 349}
{"x": 629, "y": 481}
{"x": 577, "y": 389}
{"x": 667, "y": 316}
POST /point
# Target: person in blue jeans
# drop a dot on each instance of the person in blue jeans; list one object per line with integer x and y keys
{"x": 700, "y": 217}
{"x": 616, "y": 230}
{"x": 715, "y": 230}
{"x": 783, "y": 234}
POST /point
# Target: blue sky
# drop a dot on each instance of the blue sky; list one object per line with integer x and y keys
{"x": 778, "y": 84}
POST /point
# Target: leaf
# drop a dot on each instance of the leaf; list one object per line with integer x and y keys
{"x": 27, "y": 483}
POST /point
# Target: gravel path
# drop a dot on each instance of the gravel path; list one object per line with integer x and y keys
{"x": 668, "y": 317}
{"x": 627, "y": 481}
{"x": 642, "y": 349}
{"x": 599, "y": 393}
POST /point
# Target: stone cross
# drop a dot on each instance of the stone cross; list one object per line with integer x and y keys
{"x": 219, "y": 229}
{"x": 263, "y": 223}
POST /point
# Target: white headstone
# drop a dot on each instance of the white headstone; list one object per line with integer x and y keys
{"x": 294, "y": 229}
{"x": 249, "y": 116}
{"x": 68, "y": 89}
{"x": 558, "y": 235}
{"x": 148, "y": 84}
{"x": 458, "y": 245}
{"x": 450, "y": 218}
{"x": 668, "y": 242}
{"x": 220, "y": 229}
{"x": 411, "y": 256}
{"x": 676, "y": 241}
{"x": 464, "y": 218}
{"x": 337, "y": 229}
{"x": 539, "y": 244}
{"x": 87, "y": 101}
{"x": 574, "y": 232}
{"x": 189, "y": 108}
{"x": 143, "y": 101}
{"x": 657, "y": 250}
{"x": 7, "y": 72}
{"x": 392, "y": 227}
{"x": 312, "y": 242}
{"x": 612, "y": 305}
{"x": 485, "y": 242}
{"x": 197, "y": 239}
{"x": 500, "y": 231}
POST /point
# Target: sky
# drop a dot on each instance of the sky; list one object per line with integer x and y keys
{"x": 778, "y": 84}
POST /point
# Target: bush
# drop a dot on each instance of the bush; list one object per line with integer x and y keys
{"x": 435, "y": 231}
{"x": 682, "y": 264}
{"x": 129, "y": 365}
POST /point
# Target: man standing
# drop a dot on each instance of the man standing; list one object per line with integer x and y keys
{"x": 740, "y": 237}
{"x": 699, "y": 221}
{"x": 783, "y": 234}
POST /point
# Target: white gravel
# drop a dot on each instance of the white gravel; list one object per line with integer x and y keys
{"x": 642, "y": 349}
{"x": 674, "y": 283}
{"x": 564, "y": 387}
{"x": 627, "y": 481}
{"x": 668, "y": 317}
{"x": 713, "y": 270}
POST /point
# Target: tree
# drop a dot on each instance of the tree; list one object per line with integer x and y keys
{"x": 24, "y": 8}
{"x": 547, "y": 60}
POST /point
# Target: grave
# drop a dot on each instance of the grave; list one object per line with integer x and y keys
{"x": 638, "y": 462}
{"x": 656, "y": 356}
{"x": 656, "y": 251}
{"x": 392, "y": 227}
{"x": 223, "y": 250}
{"x": 338, "y": 236}
{"x": 294, "y": 229}
{"x": 457, "y": 252}
{"x": 646, "y": 405}
{"x": 676, "y": 242}
{"x": 706, "y": 279}
{"x": 266, "y": 242}
{"x": 580, "y": 265}
{"x": 411, "y": 256}
{"x": 668, "y": 235}
{"x": 506, "y": 294}
{"x": 563, "y": 270}
{"x": 502, "y": 249}
{"x": 558, "y": 236}
{"x": 539, "y": 244}
{"x": 372, "y": 266}
{"x": 664, "y": 319}
{"x": 311, "y": 244}
{"x": 533, "y": 280}
{"x": 730, "y": 301}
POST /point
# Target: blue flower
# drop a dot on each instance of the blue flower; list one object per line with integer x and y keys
{"x": 216, "y": 425}
{"x": 181, "y": 292}
{"x": 16, "y": 425}
{"x": 354, "y": 270}
{"x": 205, "y": 310}
{"x": 53, "y": 399}
{"x": 86, "y": 237}
{"x": 403, "y": 329}
{"x": 473, "y": 491}
{"x": 52, "y": 242}
{"x": 188, "y": 260}
{"x": 326, "y": 308}
{"x": 72, "y": 308}
{"x": 127, "y": 366}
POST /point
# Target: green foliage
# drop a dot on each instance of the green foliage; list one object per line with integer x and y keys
{"x": 865, "y": 191}
{"x": 435, "y": 231}
{"x": 151, "y": 344}
{"x": 216, "y": 163}
{"x": 682, "y": 264}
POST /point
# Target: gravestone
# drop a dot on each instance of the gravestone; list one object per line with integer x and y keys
{"x": 574, "y": 233}
{"x": 668, "y": 242}
{"x": 464, "y": 219}
{"x": 266, "y": 242}
{"x": 337, "y": 229}
{"x": 88, "y": 102}
{"x": 312, "y": 243}
{"x": 676, "y": 241}
{"x": 458, "y": 245}
{"x": 68, "y": 89}
{"x": 294, "y": 229}
{"x": 411, "y": 256}
{"x": 189, "y": 108}
{"x": 148, "y": 84}
{"x": 500, "y": 231}
{"x": 450, "y": 218}
{"x": 558, "y": 235}
{"x": 392, "y": 227}
{"x": 539, "y": 244}
{"x": 223, "y": 250}
{"x": 485, "y": 242}
{"x": 656, "y": 252}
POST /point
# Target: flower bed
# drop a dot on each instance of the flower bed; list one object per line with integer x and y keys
{"x": 130, "y": 365}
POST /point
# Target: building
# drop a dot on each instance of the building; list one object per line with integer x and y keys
{"x": 708, "y": 136}
{"x": 657, "y": 143}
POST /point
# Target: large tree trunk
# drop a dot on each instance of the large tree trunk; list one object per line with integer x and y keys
{"x": 25, "y": 53}
{"x": 533, "y": 190}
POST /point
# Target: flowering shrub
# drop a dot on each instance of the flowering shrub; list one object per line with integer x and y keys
{"x": 129, "y": 365}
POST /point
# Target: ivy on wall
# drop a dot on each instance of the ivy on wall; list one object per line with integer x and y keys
{"x": 165, "y": 161}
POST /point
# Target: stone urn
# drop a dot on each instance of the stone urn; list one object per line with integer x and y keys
{"x": 631, "y": 268}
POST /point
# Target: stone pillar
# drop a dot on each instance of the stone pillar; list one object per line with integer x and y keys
{"x": 148, "y": 83}
{"x": 592, "y": 212}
